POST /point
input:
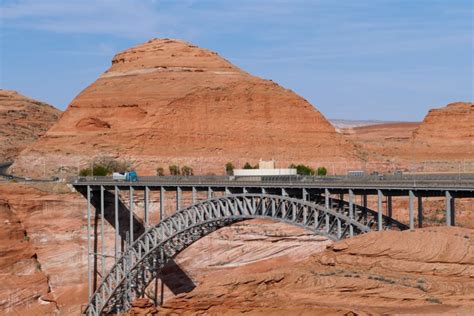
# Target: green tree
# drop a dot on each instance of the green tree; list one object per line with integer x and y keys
{"x": 174, "y": 170}
{"x": 99, "y": 171}
{"x": 302, "y": 169}
{"x": 106, "y": 165}
{"x": 322, "y": 171}
{"x": 229, "y": 168}
{"x": 187, "y": 171}
{"x": 160, "y": 171}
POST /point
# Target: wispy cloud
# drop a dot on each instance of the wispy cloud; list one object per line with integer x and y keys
{"x": 125, "y": 18}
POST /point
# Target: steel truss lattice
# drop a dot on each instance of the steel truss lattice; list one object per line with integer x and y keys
{"x": 144, "y": 259}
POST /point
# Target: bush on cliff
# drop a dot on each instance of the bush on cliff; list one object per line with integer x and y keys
{"x": 104, "y": 166}
{"x": 322, "y": 171}
{"x": 229, "y": 168}
{"x": 174, "y": 170}
{"x": 303, "y": 169}
{"x": 249, "y": 166}
{"x": 160, "y": 171}
{"x": 187, "y": 171}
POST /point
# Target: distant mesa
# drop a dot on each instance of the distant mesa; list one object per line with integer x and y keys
{"x": 443, "y": 142}
{"x": 447, "y": 133}
{"x": 22, "y": 121}
{"x": 170, "y": 102}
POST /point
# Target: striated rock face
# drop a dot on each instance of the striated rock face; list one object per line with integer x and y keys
{"x": 443, "y": 142}
{"x": 447, "y": 133}
{"x": 167, "y": 101}
{"x": 385, "y": 145}
{"x": 43, "y": 267}
{"x": 22, "y": 122}
{"x": 430, "y": 272}
{"x": 22, "y": 281}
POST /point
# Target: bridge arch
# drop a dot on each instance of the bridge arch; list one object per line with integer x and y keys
{"x": 141, "y": 262}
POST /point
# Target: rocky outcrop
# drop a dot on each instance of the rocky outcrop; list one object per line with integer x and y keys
{"x": 43, "y": 262}
{"x": 429, "y": 272}
{"x": 443, "y": 142}
{"x": 22, "y": 122}
{"x": 170, "y": 102}
{"x": 446, "y": 133}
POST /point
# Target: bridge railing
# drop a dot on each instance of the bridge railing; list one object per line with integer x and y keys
{"x": 293, "y": 179}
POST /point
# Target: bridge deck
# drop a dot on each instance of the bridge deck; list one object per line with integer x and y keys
{"x": 429, "y": 185}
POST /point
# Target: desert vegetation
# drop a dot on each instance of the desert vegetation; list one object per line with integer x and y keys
{"x": 106, "y": 165}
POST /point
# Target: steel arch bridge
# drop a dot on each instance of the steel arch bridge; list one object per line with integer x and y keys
{"x": 143, "y": 260}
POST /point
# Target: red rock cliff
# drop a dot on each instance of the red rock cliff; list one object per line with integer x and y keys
{"x": 22, "y": 122}
{"x": 167, "y": 101}
{"x": 447, "y": 133}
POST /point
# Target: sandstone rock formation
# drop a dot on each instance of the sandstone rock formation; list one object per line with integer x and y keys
{"x": 446, "y": 134}
{"x": 443, "y": 142}
{"x": 42, "y": 270}
{"x": 168, "y": 101}
{"x": 22, "y": 122}
{"x": 429, "y": 272}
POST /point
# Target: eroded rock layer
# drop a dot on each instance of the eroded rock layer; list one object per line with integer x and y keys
{"x": 430, "y": 272}
{"x": 446, "y": 133}
{"x": 167, "y": 101}
{"x": 22, "y": 122}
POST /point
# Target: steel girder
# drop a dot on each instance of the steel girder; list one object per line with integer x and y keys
{"x": 367, "y": 216}
{"x": 143, "y": 260}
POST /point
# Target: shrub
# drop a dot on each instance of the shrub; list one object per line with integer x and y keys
{"x": 96, "y": 171}
{"x": 105, "y": 165}
{"x": 229, "y": 168}
{"x": 187, "y": 171}
{"x": 248, "y": 166}
{"x": 322, "y": 171}
{"x": 302, "y": 169}
{"x": 174, "y": 170}
{"x": 160, "y": 171}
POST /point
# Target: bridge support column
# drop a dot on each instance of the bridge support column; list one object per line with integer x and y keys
{"x": 178, "y": 198}
{"x": 326, "y": 198}
{"x": 102, "y": 227}
{"x": 264, "y": 191}
{"x": 364, "y": 204}
{"x": 117, "y": 226}
{"x": 420, "y": 211}
{"x": 449, "y": 211}
{"x": 194, "y": 200}
{"x": 411, "y": 207}
{"x": 146, "y": 206}
{"x": 351, "y": 211}
{"x": 209, "y": 193}
{"x": 379, "y": 210}
{"x": 304, "y": 194}
{"x": 89, "y": 243}
{"x": 389, "y": 206}
{"x": 283, "y": 192}
{"x": 326, "y": 204}
{"x": 453, "y": 211}
{"x": 131, "y": 216}
{"x": 227, "y": 191}
{"x": 162, "y": 202}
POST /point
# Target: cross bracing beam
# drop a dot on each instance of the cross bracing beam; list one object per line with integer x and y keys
{"x": 142, "y": 261}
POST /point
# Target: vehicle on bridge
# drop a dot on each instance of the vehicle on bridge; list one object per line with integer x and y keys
{"x": 127, "y": 176}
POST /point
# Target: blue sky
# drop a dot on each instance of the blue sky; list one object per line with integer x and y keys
{"x": 352, "y": 59}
